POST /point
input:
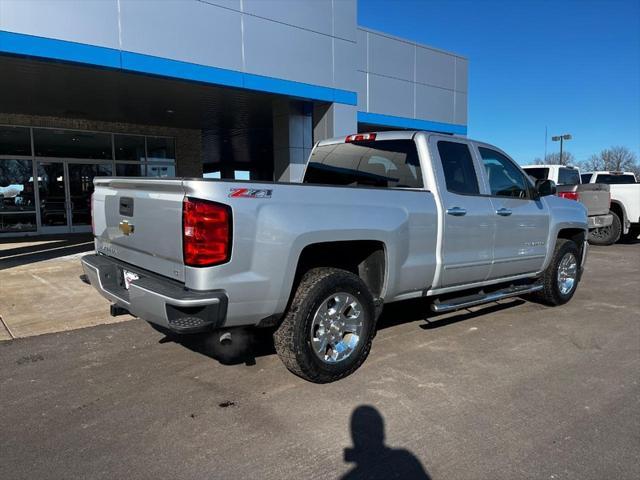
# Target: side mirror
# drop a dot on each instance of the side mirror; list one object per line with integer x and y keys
{"x": 545, "y": 187}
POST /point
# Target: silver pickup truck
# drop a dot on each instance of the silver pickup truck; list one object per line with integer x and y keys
{"x": 379, "y": 217}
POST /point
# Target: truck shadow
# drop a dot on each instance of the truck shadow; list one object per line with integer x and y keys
{"x": 249, "y": 344}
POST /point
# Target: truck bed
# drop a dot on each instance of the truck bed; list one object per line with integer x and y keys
{"x": 594, "y": 196}
{"x": 271, "y": 224}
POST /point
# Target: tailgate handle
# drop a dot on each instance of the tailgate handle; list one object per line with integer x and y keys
{"x": 126, "y": 206}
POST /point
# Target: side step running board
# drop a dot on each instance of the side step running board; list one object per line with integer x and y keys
{"x": 480, "y": 298}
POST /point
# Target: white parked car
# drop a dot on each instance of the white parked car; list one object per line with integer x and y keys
{"x": 625, "y": 199}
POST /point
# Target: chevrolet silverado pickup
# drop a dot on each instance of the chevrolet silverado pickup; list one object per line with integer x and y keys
{"x": 595, "y": 197}
{"x": 625, "y": 203}
{"x": 379, "y": 217}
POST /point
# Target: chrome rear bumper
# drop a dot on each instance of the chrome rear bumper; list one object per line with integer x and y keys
{"x": 156, "y": 299}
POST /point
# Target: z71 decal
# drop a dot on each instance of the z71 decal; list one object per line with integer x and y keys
{"x": 250, "y": 193}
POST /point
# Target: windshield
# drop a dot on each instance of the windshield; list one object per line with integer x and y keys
{"x": 382, "y": 163}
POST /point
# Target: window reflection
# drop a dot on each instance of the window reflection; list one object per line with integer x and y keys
{"x": 52, "y": 193}
{"x": 17, "y": 200}
{"x": 160, "y": 149}
{"x": 81, "y": 187}
{"x": 16, "y": 185}
{"x": 154, "y": 170}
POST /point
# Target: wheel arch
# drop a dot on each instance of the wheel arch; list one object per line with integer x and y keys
{"x": 576, "y": 235}
{"x": 365, "y": 258}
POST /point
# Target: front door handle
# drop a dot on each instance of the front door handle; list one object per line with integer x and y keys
{"x": 456, "y": 211}
{"x": 504, "y": 212}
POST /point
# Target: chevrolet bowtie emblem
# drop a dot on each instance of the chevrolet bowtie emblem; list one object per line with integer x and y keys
{"x": 126, "y": 227}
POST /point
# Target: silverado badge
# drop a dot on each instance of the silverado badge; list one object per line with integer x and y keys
{"x": 126, "y": 227}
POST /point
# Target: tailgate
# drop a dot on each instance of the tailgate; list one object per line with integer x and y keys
{"x": 139, "y": 221}
{"x": 595, "y": 196}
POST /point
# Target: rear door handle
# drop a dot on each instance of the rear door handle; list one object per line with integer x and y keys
{"x": 456, "y": 211}
{"x": 504, "y": 212}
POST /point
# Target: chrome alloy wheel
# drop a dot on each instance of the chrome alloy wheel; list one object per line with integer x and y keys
{"x": 567, "y": 273}
{"x": 337, "y": 327}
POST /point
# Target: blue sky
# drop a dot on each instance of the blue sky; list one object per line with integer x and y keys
{"x": 573, "y": 66}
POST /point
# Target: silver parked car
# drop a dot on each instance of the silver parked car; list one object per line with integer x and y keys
{"x": 380, "y": 217}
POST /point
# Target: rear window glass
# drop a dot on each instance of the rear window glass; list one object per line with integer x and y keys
{"x": 382, "y": 163}
{"x": 614, "y": 179}
{"x": 568, "y": 176}
{"x": 537, "y": 173}
{"x": 459, "y": 172}
{"x": 585, "y": 177}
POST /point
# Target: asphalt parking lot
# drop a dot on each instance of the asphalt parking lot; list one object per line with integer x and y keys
{"x": 511, "y": 390}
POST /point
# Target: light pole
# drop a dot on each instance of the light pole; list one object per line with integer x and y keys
{"x": 562, "y": 138}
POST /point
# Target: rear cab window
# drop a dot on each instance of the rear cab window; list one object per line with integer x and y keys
{"x": 370, "y": 163}
{"x": 614, "y": 179}
{"x": 568, "y": 176}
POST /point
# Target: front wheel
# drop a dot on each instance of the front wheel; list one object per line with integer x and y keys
{"x": 327, "y": 331}
{"x": 560, "y": 279}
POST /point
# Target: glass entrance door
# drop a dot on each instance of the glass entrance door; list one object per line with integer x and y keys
{"x": 53, "y": 196}
{"x": 80, "y": 179}
{"x": 65, "y": 188}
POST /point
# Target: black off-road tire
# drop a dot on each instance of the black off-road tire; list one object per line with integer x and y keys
{"x": 550, "y": 293}
{"x": 292, "y": 339}
{"x": 606, "y": 235}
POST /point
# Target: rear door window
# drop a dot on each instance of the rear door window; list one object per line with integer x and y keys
{"x": 375, "y": 163}
{"x": 459, "y": 172}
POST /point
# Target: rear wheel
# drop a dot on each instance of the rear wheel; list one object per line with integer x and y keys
{"x": 606, "y": 235}
{"x": 560, "y": 279}
{"x": 328, "y": 329}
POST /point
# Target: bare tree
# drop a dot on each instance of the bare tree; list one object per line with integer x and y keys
{"x": 619, "y": 159}
{"x": 554, "y": 159}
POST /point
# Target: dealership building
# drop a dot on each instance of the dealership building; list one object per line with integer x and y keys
{"x": 215, "y": 88}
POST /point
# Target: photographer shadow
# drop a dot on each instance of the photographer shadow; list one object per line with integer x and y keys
{"x": 373, "y": 459}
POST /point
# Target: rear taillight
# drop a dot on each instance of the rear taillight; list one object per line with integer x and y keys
{"x": 569, "y": 195}
{"x": 360, "y": 137}
{"x": 206, "y": 233}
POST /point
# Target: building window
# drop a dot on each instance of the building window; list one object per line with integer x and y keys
{"x": 129, "y": 147}
{"x": 15, "y": 141}
{"x": 72, "y": 144}
{"x": 130, "y": 169}
{"x": 160, "y": 149}
{"x": 67, "y": 161}
{"x": 17, "y": 200}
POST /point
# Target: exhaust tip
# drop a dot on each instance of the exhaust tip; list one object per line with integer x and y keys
{"x": 225, "y": 338}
